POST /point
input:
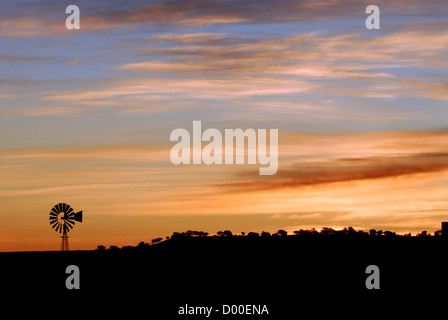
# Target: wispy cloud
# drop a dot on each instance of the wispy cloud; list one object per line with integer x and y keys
{"x": 197, "y": 88}
{"x": 376, "y": 62}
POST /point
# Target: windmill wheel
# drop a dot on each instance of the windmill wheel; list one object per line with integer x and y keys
{"x": 62, "y": 217}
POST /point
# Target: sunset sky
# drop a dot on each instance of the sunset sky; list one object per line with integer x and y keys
{"x": 86, "y": 117}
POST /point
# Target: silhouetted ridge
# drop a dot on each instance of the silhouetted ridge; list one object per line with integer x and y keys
{"x": 287, "y": 271}
{"x": 325, "y": 234}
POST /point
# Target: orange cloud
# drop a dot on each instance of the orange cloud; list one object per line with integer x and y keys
{"x": 30, "y": 27}
{"x": 193, "y": 88}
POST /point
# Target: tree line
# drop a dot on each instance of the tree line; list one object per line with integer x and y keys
{"x": 325, "y": 232}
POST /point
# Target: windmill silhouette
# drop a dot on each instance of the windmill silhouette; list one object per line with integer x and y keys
{"x": 62, "y": 219}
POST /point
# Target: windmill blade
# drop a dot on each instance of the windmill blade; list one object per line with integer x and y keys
{"x": 70, "y": 223}
{"x": 54, "y": 211}
{"x": 59, "y": 206}
{"x": 64, "y": 207}
{"x": 53, "y": 218}
{"x": 54, "y": 222}
{"x": 69, "y": 210}
{"x": 70, "y": 226}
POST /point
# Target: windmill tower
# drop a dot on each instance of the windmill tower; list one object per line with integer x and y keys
{"x": 62, "y": 220}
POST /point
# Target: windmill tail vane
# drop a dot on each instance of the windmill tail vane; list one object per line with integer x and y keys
{"x": 62, "y": 220}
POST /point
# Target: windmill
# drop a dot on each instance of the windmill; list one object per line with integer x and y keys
{"x": 62, "y": 219}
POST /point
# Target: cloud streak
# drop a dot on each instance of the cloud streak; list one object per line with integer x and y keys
{"x": 107, "y": 15}
{"x": 346, "y": 170}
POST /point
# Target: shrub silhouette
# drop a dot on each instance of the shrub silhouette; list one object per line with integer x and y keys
{"x": 282, "y": 233}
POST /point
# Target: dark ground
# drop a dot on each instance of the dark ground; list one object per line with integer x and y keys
{"x": 293, "y": 277}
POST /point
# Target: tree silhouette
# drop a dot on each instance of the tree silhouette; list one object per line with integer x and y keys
{"x": 176, "y": 236}
{"x": 389, "y": 233}
{"x": 349, "y": 231}
{"x": 282, "y": 233}
{"x": 326, "y": 231}
{"x": 201, "y": 233}
{"x": 265, "y": 234}
{"x": 253, "y": 235}
{"x": 227, "y": 233}
{"x": 142, "y": 245}
{"x": 303, "y": 232}
{"x": 189, "y": 233}
{"x": 156, "y": 240}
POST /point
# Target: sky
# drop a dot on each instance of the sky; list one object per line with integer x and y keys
{"x": 86, "y": 117}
